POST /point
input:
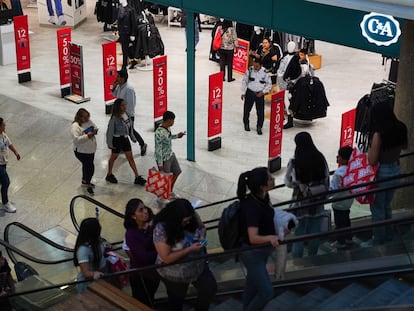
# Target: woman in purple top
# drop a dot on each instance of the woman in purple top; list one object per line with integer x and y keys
{"x": 138, "y": 237}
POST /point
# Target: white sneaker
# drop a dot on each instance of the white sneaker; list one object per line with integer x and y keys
{"x": 61, "y": 20}
{"x": 52, "y": 20}
{"x": 9, "y": 208}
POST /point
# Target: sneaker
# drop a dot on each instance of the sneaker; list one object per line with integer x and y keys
{"x": 9, "y": 208}
{"x": 336, "y": 244}
{"x": 259, "y": 131}
{"x": 85, "y": 185}
{"x": 174, "y": 196}
{"x": 52, "y": 20}
{"x": 111, "y": 178}
{"x": 90, "y": 190}
{"x": 144, "y": 149}
{"x": 61, "y": 20}
{"x": 366, "y": 244}
{"x": 140, "y": 181}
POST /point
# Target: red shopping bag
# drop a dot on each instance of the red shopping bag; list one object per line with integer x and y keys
{"x": 359, "y": 171}
{"x": 117, "y": 264}
{"x": 217, "y": 39}
{"x": 159, "y": 183}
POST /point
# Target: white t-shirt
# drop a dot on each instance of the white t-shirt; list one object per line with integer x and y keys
{"x": 5, "y": 142}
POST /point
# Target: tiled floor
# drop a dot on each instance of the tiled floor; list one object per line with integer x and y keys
{"x": 38, "y": 121}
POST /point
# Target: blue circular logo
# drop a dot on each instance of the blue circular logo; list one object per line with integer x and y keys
{"x": 380, "y": 29}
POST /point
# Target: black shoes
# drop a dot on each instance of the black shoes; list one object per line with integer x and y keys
{"x": 289, "y": 123}
{"x": 90, "y": 190}
{"x": 231, "y": 80}
{"x": 111, "y": 178}
{"x": 133, "y": 64}
{"x": 247, "y": 128}
{"x": 259, "y": 131}
{"x": 143, "y": 149}
{"x": 140, "y": 181}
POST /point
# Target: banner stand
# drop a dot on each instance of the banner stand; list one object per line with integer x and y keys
{"x": 64, "y": 36}
{"x": 77, "y": 99}
{"x": 109, "y": 62}
{"x": 215, "y": 110}
{"x": 159, "y": 88}
{"x": 214, "y": 144}
{"x": 21, "y": 37}
{"x": 274, "y": 164}
{"x": 24, "y": 77}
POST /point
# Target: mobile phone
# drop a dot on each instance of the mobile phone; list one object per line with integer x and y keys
{"x": 203, "y": 242}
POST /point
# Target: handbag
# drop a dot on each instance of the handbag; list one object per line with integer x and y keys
{"x": 117, "y": 264}
{"x": 184, "y": 272}
{"x": 159, "y": 183}
{"x": 217, "y": 39}
{"x": 359, "y": 171}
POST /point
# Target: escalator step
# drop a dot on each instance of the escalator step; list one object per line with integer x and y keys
{"x": 314, "y": 297}
{"x": 228, "y": 305}
{"x": 282, "y": 302}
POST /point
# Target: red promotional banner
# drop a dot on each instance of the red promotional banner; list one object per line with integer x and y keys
{"x": 348, "y": 128}
{"x": 215, "y": 104}
{"x": 160, "y": 85}
{"x": 241, "y": 57}
{"x": 276, "y": 124}
{"x": 64, "y": 36}
{"x": 109, "y": 69}
{"x": 21, "y": 36}
{"x": 76, "y": 68}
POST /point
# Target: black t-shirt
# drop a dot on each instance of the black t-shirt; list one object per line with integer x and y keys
{"x": 256, "y": 212}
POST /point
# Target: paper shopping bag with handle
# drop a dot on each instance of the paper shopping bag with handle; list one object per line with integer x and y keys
{"x": 159, "y": 183}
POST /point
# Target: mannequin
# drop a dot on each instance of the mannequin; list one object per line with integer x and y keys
{"x": 126, "y": 29}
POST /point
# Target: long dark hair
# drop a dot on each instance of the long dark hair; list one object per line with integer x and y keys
{"x": 90, "y": 235}
{"x": 130, "y": 209}
{"x": 310, "y": 163}
{"x": 116, "y": 107}
{"x": 226, "y": 24}
{"x": 171, "y": 216}
{"x": 393, "y": 132}
{"x": 78, "y": 115}
{"x": 252, "y": 180}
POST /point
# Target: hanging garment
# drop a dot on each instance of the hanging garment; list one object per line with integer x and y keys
{"x": 308, "y": 100}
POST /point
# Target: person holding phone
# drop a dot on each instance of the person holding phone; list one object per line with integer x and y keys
{"x": 84, "y": 146}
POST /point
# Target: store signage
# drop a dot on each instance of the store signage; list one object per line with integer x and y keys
{"x": 76, "y": 69}
{"x": 160, "y": 86}
{"x": 380, "y": 29}
{"x": 276, "y": 124}
{"x": 64, "y": 36}
{"x": 109, "y": 69}
{"x": 215, "y": 104}
{"x": 21, "y": 36}
{"x": 241, "y": 57}
{"x": 347, "y": 128}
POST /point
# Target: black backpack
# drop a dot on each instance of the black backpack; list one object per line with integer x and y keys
{"x": 229, "y": 226}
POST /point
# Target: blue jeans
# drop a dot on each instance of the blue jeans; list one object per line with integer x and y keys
{"x": 5, "y": 182}
{"x": 258, "y": 290}
{"x": 381, "y": 209}
{"x": 58, "y": 7}
{"x": 307, "y": 225}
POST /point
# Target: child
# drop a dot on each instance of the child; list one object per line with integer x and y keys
{"x": 341, "y": 208}
{"x": 284, "y": 223}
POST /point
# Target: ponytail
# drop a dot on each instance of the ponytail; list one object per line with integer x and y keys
{"x": 242, "y": 185}
{"x": 254, "y": 180}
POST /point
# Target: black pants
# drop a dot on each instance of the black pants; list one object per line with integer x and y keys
{"x": 249, "y": 99}
{"x": 206, "y": 286}
{"x": 342, "y": 220}
{"x": 136, "y": 134}
{"x": 88, "y": 167}
{"x": 226, "y": 58}
{"x": 124, "y": 40}
{"x": 144, "y": 286}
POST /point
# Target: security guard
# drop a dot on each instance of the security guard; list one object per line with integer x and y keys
{"x": 255, "y": 85}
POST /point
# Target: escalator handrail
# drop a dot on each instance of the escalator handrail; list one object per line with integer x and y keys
{"x": 236, "y": 251}
{"x": 10, "y": 248}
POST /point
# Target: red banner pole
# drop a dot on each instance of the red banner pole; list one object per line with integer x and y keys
{"x": 241, "y": 57}
{"x": 109, "y": 64}
{"x": 64, "y": 36}
{"x": 215, "y": 109}
{"x": 159, "y": 88}
{"x": 21, "y": 36}
{"x": 276, "y": 131}
{"x": 347, "y": 128}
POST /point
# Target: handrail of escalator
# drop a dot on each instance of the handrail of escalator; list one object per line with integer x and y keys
{"x": 87, "y": 198}
{"x": 332, "y": 192}
{"x": 10, "y": 248}
{"x": 232, "y": 252}
{"x": 276, "y": 187}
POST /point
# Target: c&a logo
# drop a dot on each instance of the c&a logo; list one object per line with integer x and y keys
{"x": 380, "y": 29}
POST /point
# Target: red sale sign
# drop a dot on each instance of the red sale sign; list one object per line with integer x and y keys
{"x": 109, "y": 69}
{"x": 241, "y": 57}
{"x": 76, "y": 69}
{"x": 348, "y": 128}
{"x": 21, "y": 36}
{"x": 215, "y": 104}
{"x": 64, "y": 36}
{"x": 276, "y": 124}
{"x": 160, "y": 85}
